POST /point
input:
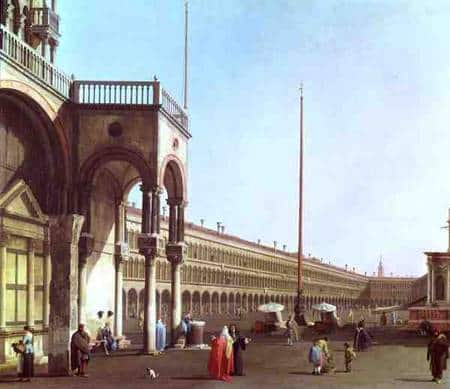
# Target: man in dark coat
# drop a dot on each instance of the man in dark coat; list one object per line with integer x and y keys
{"x": 239, "y": 344}
{"x": 437, "y": 355}
{"x": 79, "y": 351}
{"x": 362, "y": 339}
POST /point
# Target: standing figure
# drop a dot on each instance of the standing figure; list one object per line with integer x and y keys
{"x": 79, "y": 351}
{"x": 290, "y": 331}
{"x": 316, "y": 357}
{"x": 160, "y": 336}
{"x": 186, "y": 324}
{"x": 349, "y": 356}
{"x": 362, "y": 340}
{"x": 437, "y": 355}
{"x": 19, "y": 349}
{"x": 350, "y": 316}
{"x": 383, "y": 319}
{"x": 220, "y": 363}
{"x": 239, "y": 344}
{"x": 28, "y": 354}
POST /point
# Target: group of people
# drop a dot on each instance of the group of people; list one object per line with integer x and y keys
{"x": 225, "y": 358}
{"x": 322, "y": 357}
{"x": 25, "y": 355}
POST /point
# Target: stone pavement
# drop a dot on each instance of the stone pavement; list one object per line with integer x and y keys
{"x": 269, "y": 363}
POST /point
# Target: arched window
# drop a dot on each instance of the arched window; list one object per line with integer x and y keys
{"x": 440, "y": 288}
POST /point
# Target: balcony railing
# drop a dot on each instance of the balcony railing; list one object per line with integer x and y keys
{"x": 28, "y": 59}
{"x": 45, "y": 17}
{"x": 137, "y": 93}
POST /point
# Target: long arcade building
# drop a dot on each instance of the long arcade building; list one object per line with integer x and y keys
{"x": 224, "y": 274}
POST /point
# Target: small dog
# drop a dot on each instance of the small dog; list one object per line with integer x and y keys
{"x": 150, "y": 374}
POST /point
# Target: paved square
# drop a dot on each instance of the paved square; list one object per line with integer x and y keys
{"x": 269, "y": 363}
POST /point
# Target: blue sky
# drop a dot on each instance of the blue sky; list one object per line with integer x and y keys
{"x": 376, "y": 76}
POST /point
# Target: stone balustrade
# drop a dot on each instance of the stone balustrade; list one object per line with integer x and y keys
{"x": 21, "y": 54}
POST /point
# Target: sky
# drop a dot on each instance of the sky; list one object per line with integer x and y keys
{"x": 376, "y": 78}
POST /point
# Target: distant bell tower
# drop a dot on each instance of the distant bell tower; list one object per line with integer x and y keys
{"x": 380, "y": 268}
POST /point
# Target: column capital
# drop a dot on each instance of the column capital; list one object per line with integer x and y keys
{"x": 174, "y": 201}
{"x": 157, "y": 190}
{"x": 175, "y": 252}
{"x": 148, "y": 244}
{"x": 145, "y": 188}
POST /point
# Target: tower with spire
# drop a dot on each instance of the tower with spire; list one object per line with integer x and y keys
{"x": 380, "y": 268}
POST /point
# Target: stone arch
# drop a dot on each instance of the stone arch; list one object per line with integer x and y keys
{"x": 42, "y": 156}
{"x": 196, "y": 304}
{"x": 206, "y": 303}
{"x": 158, "y": 303}
{"x": 231, "y": 305}
{"x": 141, "y": 302}
{"x": 440, "y": 288}
{"x": 215, "y": 303}
{"x": 186, "y": 301}
{"x": 223, "y": 303}
{"x": 165, "y": 306}
{"x": 173, "y": 178}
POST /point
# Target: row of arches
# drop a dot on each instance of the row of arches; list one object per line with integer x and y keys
{"x": 200, "y": 303}
{"x": 193, "y": 274}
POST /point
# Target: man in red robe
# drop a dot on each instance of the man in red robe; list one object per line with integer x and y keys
{"x": 220, "y": 363}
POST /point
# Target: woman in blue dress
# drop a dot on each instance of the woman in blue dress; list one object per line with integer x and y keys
{"x": 28, "y": 355}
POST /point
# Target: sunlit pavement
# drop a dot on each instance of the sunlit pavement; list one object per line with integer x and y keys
{"x": 269, "y": 363}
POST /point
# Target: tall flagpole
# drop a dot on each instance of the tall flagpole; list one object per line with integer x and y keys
{"x": 299, "y": 307}
{"x": 185, "y": 97}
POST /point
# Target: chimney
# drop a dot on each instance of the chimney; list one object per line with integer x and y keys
{"x": 354, "y": 269}
{"x": 222, "y": 229}
{"x": 164, "y": 209}
{"x": 274, "y": 244}
{"x": 346, "y": 267}
{"x": 365, "y": 274}
{"x": 218, "y": 227}
{"x": 202, "y": 221}
{"x": 284, "y": 247}
{"x": 259, "y": 241}
{"x": 133, "y": 204}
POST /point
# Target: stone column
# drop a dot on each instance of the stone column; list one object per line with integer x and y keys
{"x": 30, "y": 283}
{"x": 174, "y": 254}
{"x": 86, "y": 245}
{"x": 120, "y": 255}
{"x": 65, "y": 232}
{"x": 47, "y": 279}
{"x": 433, "y": 289}
{"x": 3, "y": 244}
{"x": 172, "y": 222}
{"x": 429, "y": 284}
{"x": 148, "y": 250}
